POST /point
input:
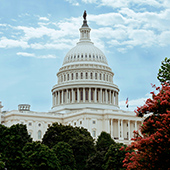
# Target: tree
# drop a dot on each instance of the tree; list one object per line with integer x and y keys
{"x": 2, "y": 164}
{"x": 65, "y": 155}
{"x": 152, "y": 143}
{"x": 38, "y": 156}
{"x": 96, "y": 160}
{"x": 114, "y": 157}
{"x": 12, "y": 140}
{"x": 79, "y": 139}
{"x": 104, "y": 141}
{"x": 164, "y": 71}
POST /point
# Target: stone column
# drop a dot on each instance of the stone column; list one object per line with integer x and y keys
{"x": 101, "y": 96}
{"x": 121, "y": 128}
{"x": 118, "y": 128}
{"x": 62, "y": 97}
{"x": 129, "y": 130}
{"x": 89, "y": 94}
{"x": 95, "y": 95}
{"x": 110, "y": 97}
{"x": 72, "y": 95}
{"x": 106, "y": 96}
{"x": 108, "y": 126}
{"x": 58, "y": 97}
{"x": 113, "y": 102}
{"x": 111, "y": 128}
{"x": 84, "y": 95}
{"x": 78, "y": 95}
{"x": 66, "y": 96}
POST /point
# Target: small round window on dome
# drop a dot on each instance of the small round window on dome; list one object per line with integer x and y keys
{"x": 86, "y": 56}
{"x": 97, "y": 56}
{"x": 89, "y": 56}
{"x": 82, "y": 56}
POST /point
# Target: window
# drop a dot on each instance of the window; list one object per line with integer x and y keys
{"x": 61, "y": 78}
{"x": 39, "y": 124}
{"x": 49, "y": 125}
{"x": 86, "y": 56}
{"x": 74, "y": 56}
{"x": 94, "y": 133}
{"x": 86, "y": 75}
{"x": 64, "y": 77}
{"x": 94, "y": 122}
{"x": 100, "y": 76}
{"x": 91, "y": 75}
{"x": 67, "y": 76}
{"x": 39, "y": 134}
{"x": 74, "y": 123}
{"x": 81, "y": 75}
{"x": 89, "y": 56}
{"x": 76, "y": 75}
{"x": 95, "y": 75}
{"x": 82, "y": 56}
{"x": 107, "y": 78}
{"x": 104, "y": 77}
{"x": 80, "y": 122}
{"x": 30, "y": 124}
{"x": 78, "y": 56}
{"x": 30, "y": 133}
{"x": 72, "y": 76}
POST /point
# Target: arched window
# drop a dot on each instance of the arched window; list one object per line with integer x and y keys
{"x": 94, "y": 133}
{"x": 95, "y": 75}
{"x": 81, "y": 95}
{"x": 100, "y": 76}
{"x": 67, "y": 76}
{"x": 61, "y": 78}
{"x": 104, "y": 77}
{"x": 91, "y": 75}
{"x": 81, "y": 75}
{"x": 64, "y": 77}
{"x": 86, "y": 75}
{"x": 39, "y": 134}
{"x": 76, "y": 75}
{"x": 72, "y": 76}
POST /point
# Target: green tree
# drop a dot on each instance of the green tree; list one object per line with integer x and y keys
{"x": 79, "y": 139}
{"x": 12, "y": 140}
{"x": 2, "y": 164}
{"x": 164, "y": 71}
{"x": 96, "y": 160}
{"x": 65, "y": 155}
{"x": 114, "y": 157}
{"x": 104, "y": 141}
{"x": 37, "y": 156}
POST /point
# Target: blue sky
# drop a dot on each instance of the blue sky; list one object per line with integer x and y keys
{"x": 36, "y": 35}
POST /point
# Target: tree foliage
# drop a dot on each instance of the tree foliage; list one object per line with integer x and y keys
{"x": 79, "y": 139}
{"x": 114, "y": 157}
{"x": 164, "y": 71}
{"x": 12, "y": 140}
{"x": 65, "y": 155}
{"x": 38, "y": 156}
{"x": 152, "y": 143}
{"x": 104, "y": 141}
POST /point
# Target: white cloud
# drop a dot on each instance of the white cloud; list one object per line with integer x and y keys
{"x": 10, "y": 43}
{"x": 35, "y": 56}
{"x": 43, "y": 18}
{"x": 73, "y": 2}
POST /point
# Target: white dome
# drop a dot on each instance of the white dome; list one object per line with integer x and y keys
{"x": 85, "y": 52}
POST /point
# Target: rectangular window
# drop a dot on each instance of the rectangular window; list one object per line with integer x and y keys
{"x": 76, "y": 75}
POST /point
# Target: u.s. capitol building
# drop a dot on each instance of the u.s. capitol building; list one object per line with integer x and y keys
{"x": 85, "y": 96}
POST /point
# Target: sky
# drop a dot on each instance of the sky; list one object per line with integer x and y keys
{"x": 36, "y": 35}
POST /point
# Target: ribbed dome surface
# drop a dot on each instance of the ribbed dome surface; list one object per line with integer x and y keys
{"x": 85, "y": 51}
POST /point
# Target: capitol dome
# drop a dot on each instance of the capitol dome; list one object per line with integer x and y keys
{"x": 85, "y": 80}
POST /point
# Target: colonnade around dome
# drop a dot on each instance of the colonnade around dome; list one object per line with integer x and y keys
{"x": 85, "y": 95}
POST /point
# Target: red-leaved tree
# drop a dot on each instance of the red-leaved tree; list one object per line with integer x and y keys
{"x": 152, "y": 143}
